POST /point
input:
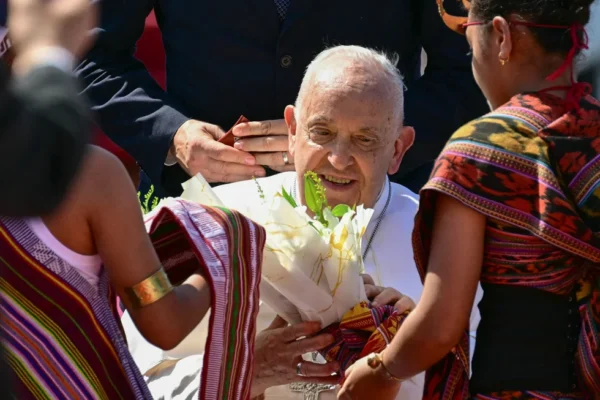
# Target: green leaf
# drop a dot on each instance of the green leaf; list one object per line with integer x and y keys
{"x": 320, "y": 189}
{"x": 311, "y": 196}
{"x": 340, "y": 210}
{"x": 289, "y": 198}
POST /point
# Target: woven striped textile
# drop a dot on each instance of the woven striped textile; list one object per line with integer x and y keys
{"x": 363, "y": 330}
{"x": 64, "y": 340}
{"x": 534, "y": 170}
{"x": 229, "y": 248}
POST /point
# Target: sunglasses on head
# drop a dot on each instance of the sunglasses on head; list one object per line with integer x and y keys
{"x": 579, "y": 39}
{"x": 457, "y": 24}
{"x": 460, "y": 24}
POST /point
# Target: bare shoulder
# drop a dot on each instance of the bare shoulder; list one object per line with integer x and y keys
{"x": 101, "y": 179}
{"x": 103, "y": 176}
{"x": 94, "y": 187}
{"x": 100, "y": 164}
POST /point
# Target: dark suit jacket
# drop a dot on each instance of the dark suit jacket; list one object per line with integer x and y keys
{"x": 44, "y": 128}
{"x": 234, "y": 57}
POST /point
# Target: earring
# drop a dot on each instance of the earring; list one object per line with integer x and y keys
{"x": 503, "y": 61}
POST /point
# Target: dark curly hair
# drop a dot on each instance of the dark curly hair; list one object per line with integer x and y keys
{"x": 550, "y": 12}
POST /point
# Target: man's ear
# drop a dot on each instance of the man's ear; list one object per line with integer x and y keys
{"x": 290, "y": 120}
{"x": 403, "y": 142}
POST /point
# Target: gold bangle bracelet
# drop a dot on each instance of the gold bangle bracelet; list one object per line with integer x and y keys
{"x": 375, "y": 361}
{"x": 392, "y": 376}
{"x": 150, "y": 290}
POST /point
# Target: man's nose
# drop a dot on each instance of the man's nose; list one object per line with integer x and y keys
{"x": 340, "y": 156}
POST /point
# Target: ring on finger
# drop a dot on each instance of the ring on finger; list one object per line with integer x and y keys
{"x": 286, "y": 160}
{"x": 299, "y": 369}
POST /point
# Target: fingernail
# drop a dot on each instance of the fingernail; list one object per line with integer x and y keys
{"x": 374, "y": 304}
{"x": 250, "y": 160}
{"x": 238, "y": 145}
{"x": 260, "y": 172}
{"x": 239, "y": 130}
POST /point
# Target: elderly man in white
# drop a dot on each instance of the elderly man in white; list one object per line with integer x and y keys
{"x": 347, "y": 126}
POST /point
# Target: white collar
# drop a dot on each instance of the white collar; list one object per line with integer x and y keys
{"x": 382, "y": 199}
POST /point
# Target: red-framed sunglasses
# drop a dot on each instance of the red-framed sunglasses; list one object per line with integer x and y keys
{"x": 460, "y": 24}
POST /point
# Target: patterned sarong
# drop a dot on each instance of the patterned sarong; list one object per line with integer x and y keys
{"x": 229, "y": 248}
{"x": 64, "y": 340}
{"x": 534, "y": 170}
{"x": 363, "y": 330}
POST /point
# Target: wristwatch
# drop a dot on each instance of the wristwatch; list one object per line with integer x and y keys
{"x": 375, "y": 361}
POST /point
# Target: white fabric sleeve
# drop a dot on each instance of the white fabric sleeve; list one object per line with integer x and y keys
{"x": 56, "y": 57}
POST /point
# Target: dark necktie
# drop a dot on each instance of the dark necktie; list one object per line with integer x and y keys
{"x": 282, "y": 7}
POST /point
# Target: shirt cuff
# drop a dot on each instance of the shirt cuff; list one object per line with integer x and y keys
{"x": 171, "y": 160}
{"x": 57, "y": 57}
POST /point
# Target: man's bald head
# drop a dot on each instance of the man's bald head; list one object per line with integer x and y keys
{"x": 348, "y": 69}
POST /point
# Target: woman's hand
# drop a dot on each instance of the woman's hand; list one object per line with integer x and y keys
{"x": 364, "y": 382}
{"x": 380, "y": 295}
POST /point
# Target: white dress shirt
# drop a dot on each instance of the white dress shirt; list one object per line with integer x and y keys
{"x": 390, "y": 262}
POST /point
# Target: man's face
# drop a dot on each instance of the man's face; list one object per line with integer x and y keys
{"x": 350, "y": 135}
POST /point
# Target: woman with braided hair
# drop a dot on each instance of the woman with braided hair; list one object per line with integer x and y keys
{"x": 513, "y": 202}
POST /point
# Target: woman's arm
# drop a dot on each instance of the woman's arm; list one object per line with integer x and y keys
{"x": 121, "y": 240}
{"x": 453, "y": 272}
{"x": 436, "y": 324}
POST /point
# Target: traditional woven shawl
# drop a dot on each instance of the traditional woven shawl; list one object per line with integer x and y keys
{"x": 61, "y": 336}
{"x": 363, "y": 330}
{"x": 64, "y": 341}
{"x": 229, "y": 248}
{"x": 534, "y": 170}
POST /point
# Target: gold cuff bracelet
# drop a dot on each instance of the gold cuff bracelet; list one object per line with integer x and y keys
{"x": 150, "y": 290}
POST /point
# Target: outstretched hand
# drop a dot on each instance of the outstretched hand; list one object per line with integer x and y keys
{"x": 37, "y": 25}
{"x": 363, "y": 382}
{"x": 278, "y": 356}
{"x": 380, "y": 295}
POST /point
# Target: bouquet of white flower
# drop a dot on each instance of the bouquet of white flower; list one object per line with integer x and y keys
{"x": 312, "y": 264}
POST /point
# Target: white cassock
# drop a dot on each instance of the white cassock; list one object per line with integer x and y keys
{"x": 389, "y": 261}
